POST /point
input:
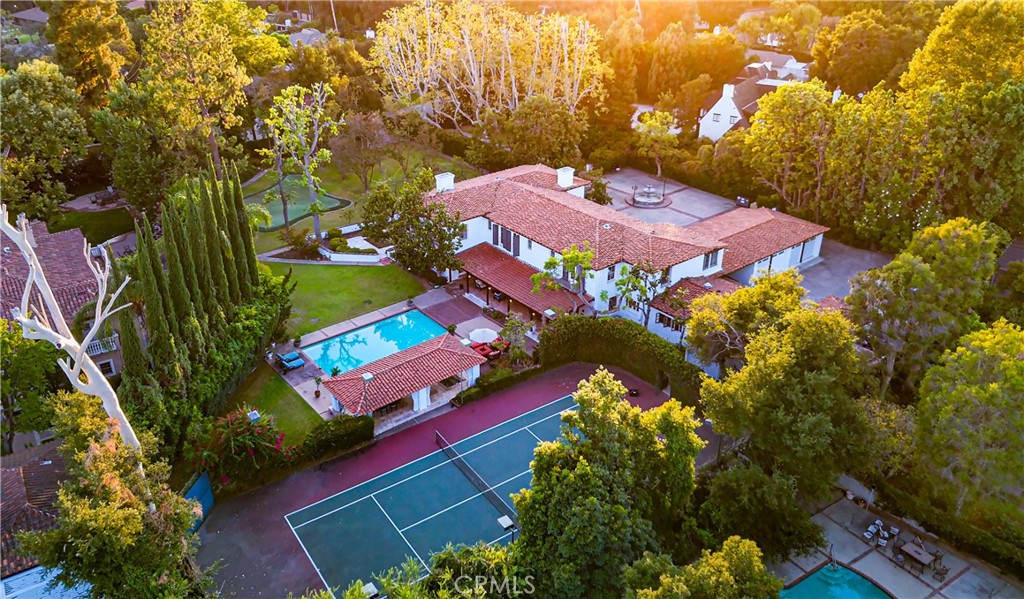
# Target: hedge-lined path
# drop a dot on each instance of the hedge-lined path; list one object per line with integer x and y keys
{"x": 258, "y": 552}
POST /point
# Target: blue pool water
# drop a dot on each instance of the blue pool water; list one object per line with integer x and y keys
{"x": 835, "y": 583}
{"x": 373, "y": 342}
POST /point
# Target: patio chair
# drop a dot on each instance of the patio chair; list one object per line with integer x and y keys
{"x": 293, "y": 364}
{"x": 901, "y": 560}
{"x": 940, "y": 573}
{"x": 879, "y": 524}
{"x": 882, "y": 543}
{"x": 938, "y": 557}
{"x": 894, "y": 531}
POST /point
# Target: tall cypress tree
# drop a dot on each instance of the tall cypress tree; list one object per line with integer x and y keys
{"x": 135, "y": 364}
{"x": 230, "y": 273}
{"x": 185, "y": 245}
{"x": 238, "y": 261}
{"x": 159, "y": 278}
{"x": 244, "y": 230}
{"x": 161, "y": 342}
{"x": 180, "y": 296}
{"x": 213, "y": 250}
{"x": 204, "y": 274}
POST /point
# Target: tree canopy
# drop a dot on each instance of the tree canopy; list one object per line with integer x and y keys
{"x": 28, "y": 367}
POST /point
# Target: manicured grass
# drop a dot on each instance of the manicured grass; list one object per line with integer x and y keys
{"x": 326, "y": 294}
{"x": 269, "y": 394}
{"x": 350, "y": 187}
{"x": 96, "y": 226}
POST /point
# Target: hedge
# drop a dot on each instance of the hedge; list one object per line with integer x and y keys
{"x": 959, "y": 533}
{"x": 483, "y": 389}
{"x": 623, "y": 343}
{"x": 333, "y": 437}
{"x": 340, "y": 245}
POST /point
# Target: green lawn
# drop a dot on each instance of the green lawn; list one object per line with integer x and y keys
{"x": 96, "y": 226}
{"x": 268, "y": 393}
{"x": 326, "y": 294}
{"x": 350, "y": 187}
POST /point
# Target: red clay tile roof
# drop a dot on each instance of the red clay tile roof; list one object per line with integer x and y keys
{"x": 64, "y": 263}
{"x": 688, "y": 290}
{"x": 832, "y": 302}
{"x": 541, "y": 177}
{"x": 402, "y": 374}
{"x": 513, "y": 278}
{"x": 28, "y": 503}
{"x": 752, "y": 234}
{"x": 557, "y": 219}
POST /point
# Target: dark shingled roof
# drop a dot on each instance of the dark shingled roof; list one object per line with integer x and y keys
{"x": 30, "y": 481}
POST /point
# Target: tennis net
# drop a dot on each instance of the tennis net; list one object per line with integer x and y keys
{"x": 475, "y": 478}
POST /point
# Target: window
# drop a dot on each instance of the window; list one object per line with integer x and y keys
{"x": 611, "y": 273}
{"x": 464, "y": 233}
{"x": 716, "y": 117}
{"x": 613, "y": 302}
{"x": 733, "y": 119}
{"x": 664, "y": 319}
{"x": 489, "y": 224}
{"x": 552, "y": 253}
{"x": 803, "y": 250}
{"x": 107, "y": 368}
{"x": 665, "y": 274}
{"x": 710, "y": 260}
{"x": 529, "y": 244}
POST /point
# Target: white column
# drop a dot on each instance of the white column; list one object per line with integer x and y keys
{"x": 421, "y": 399}
{"x": 471, "y": 375}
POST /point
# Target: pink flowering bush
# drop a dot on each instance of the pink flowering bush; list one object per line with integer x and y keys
{"x": 235, "y": 448}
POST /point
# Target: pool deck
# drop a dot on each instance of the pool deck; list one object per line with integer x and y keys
{"x": 844, "y": 521}
{"x": 302, "y": 379}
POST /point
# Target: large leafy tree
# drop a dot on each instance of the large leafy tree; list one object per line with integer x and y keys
{"x": 301, "y": 123}
{"x": 363, "y": 144}
{"x": 107, "y": 533}
{"x": 616, "y": 485}
{"x": 720, "y": 326}
{"x": 656, "y": 137}
{"x": 540, "y": 130}
{"x": 574, "y": 266}
{"x": 251, "y": 43}
{"x": 974, "y": 42}
{"x": 765, "y": 508}
{"x": 793, "y": 405}
{"x": 47, "y": 134}
{"x": 27, "y": 381}
{"x": 465, "y": 59}
{"x": 680, "y": 57}
{"x": 92, "y": 45}
{"x": 621, "y": 47}
{"x": 642, "y": 283}
{"x": 736, "y": 571}
{"x": 913, "y": 308}
{"x": 970, "y": 416}
{"x": 195, "y": 78}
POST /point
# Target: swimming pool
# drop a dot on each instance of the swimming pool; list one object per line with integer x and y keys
{"x": 838, "y": 582}
{"x": 374, "y": 341}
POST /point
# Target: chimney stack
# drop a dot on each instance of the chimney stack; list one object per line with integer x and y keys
{"x": 444, "y": 182}
{"x": 727, "y": 90}
{"x": 566, "y": 176}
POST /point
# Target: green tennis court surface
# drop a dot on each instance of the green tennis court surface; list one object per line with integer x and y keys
{"x": 298, "y": 203}
{"x": 417, "y": 509}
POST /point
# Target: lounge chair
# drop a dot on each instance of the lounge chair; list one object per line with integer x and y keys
{"x": 288, "y": 357}
{"x": 293, "y": 364}
{"x": 882, "y": 542}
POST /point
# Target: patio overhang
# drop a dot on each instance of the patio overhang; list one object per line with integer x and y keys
{"x": 514, "y": 278}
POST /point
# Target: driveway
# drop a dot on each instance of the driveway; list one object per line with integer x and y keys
{"x": 839, "y": 263}
{"x": 687, "y": 204}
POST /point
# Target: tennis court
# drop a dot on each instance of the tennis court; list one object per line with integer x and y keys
{"x": 417, "y": 509}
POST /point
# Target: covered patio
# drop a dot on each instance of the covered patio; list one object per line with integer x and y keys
{"x": 493, "y": 279}
{"x": 406, "y": 384}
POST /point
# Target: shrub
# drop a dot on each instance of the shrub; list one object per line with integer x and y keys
{"x": 956, "y": 531}
{"x": 237, "y": 448}
{"x": 300, "y": 241}
{"x": 334, "y": 437}
{"x": 453, "y": 143}
{"x": 623, "y": 343}
{"x": 494, "y": 381}
{"x": 333, "y": 234}
{"x": 340, "y": 245}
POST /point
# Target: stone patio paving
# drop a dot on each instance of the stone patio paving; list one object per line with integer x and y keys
{"x": 844, "y": 522}
{"x": 688, "y": 204}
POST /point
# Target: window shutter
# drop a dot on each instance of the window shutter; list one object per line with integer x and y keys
{"x": 494, "y": 234}
{"x": 515, "y": 245}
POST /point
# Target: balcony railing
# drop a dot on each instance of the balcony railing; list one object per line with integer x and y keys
{"x": 102, "y": 346}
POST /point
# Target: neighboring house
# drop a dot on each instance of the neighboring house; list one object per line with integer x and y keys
{"x": 31, "y": 16}
{"x": 737, "y": 102}
{"x": 519, "y": 218}
{"x": 62, "y": 256}
{"x": 1013, "y": 253}
{"x": 414, "y": 375}
{"x": 306, "y": 37}
{"x": 31, "y": 480}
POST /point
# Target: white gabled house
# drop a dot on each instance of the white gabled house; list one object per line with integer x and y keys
{"x": 737, "y": 102}
{"x": 517, "y": 219}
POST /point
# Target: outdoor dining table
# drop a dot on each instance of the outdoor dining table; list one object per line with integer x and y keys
{"x": 917, "y": 552}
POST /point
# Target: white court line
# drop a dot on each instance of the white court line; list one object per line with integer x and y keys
{"x": 539, "y": 440}
{"x": 421, "y": 472}
{"x": 310, "y": 558}
{"x": 550, "y": 403}
{"x": 508, "y": 480}
{"x": 414, "y": 552}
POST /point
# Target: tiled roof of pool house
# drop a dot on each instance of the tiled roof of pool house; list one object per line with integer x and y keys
{"x": 401, "y": 374}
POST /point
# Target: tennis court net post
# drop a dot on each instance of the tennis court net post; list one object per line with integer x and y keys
{"x": 469, "y": 472}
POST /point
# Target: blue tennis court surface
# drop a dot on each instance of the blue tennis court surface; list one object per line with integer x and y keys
{"x": 417, "y": 509}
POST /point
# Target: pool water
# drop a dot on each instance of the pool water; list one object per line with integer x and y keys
{"x": 374, "y": 341}
{"x": 835, "y": 583}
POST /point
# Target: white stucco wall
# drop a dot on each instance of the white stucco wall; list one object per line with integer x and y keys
{"x": 787, "y": 258}
{"x": 421, "y": 399}
{"x": 726, "y": 108}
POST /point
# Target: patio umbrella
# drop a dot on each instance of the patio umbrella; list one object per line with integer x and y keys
{"x": 483, "y": 335}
